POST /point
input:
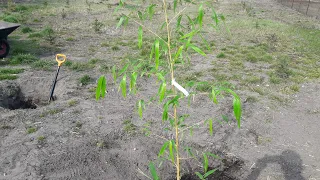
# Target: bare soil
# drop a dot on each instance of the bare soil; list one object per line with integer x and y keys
{"x": 77, "y": 137}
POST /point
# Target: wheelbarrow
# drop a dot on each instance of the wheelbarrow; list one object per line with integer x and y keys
{"x": 6, "y": 29}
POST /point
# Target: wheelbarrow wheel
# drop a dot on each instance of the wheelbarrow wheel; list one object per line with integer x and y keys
{"x": 4, "y": 48}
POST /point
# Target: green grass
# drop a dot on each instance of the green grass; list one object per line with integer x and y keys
{"x": 31, "y": 130}
{"x": 221, "y": 55}
{"x": 81, "y": 66}
{"x": 70, "y": 39}
{"x": 129, "y": 128}
{"x": 9, "y": 74}
{"x": 11, "y": 71}
{"x": 26, "y": 30}
{"x": 11, "y": 19}
{"x": 85, "y": 80}
{"x": 8, "y": 77}
{"x": 23, "y": 59}
{"x": 72, "y": 102}
{"x": 43, "y": 64}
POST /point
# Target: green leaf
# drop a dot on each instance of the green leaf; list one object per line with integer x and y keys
{"x": 162, "y": 91}
{"x": 140, "y": 33}
{"x": 163, "y": 148}
{"x": 101, "y": 87}
{"x": 191, "y": 23}
{"x": 199, "y": 175}
{"x": 198, "y": 50}
{"x": 178, "y": 53}
{"x": 175, "y": 5}
{"x": 123, "y": 86}
{"x": 171, "y": 154}
{"x": 209, "y": 173}
{"x": 121, "y": 21}
{"x": 151, "y": 10}
{"x": 179, "y": 22}
{"x": 200, "y": 15}
{"x": 160, "y": 77}
{"x": 157, "y": 54}
{"x": 153, "y": 171}
{"x": 210, "y": 127}
{"x": 123, "y": 69}
{"x": 133, "y": 81}
{"x": 191, "y": 34}
{"x": 140, "y": 107}
{"x": 165, "y": 112}
{"x": 213, "y": 96}
{"x": 215, "y": 17}
{"x": 205, "y": 162}
{"x": 237, "y": 111}
{"x": 114, "y": 74}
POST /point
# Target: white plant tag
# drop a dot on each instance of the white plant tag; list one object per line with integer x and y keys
{"x": 180, "y": 88}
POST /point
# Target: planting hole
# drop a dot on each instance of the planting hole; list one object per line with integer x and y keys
{"x": 12, "y": 98}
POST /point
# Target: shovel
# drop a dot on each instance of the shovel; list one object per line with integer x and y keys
{"x": 60, "y": 58}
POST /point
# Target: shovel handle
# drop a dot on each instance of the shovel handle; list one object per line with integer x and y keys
{"x": 61, "y": 58}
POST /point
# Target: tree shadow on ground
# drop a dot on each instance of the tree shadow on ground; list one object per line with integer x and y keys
{"x": 290, "y": 162}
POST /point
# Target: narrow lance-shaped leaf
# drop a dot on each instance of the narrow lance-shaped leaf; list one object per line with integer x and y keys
{"x": 179, "y": 21}
{"x": 140, "y": 107}
{"x": 236, "y": 107}
{"x": 175, "y": 5}
{"x": 151, "y": 10}
{"x": 163, "y": 148}
{"x": 157, "y": 53}
{"x": 140, "y": 34}
{"x": 123, "y": 69}
{"x": 120, "y": 21}
{"x": 133, "y": 81}
{"x": 178, "y": 53}
{"x": 162, "y": 91}
{"x": 191, "y": 34}
{"x": 237, "y": 110}
{"x": 123, "y": 86}
{"x": 205, "y": 162}
{"x": 153, "y": 172}
{"x": 199, "y": 175}
{"x": 210, "y": 127}
{"x": 200, "y": 15}
{"x": 214, "y": 96}
{"x": 209, "y": 173}
{"x": 165, "y": 112}
{"x": 126, "y": 21}
{"x": 101, "y": 87}
{"x": 198, "y": 50}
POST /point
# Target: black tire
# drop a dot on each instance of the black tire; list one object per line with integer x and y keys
{"x": 4, "y": 48}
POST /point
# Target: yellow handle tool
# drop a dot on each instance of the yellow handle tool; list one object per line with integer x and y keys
{"x": 61, "y": 58}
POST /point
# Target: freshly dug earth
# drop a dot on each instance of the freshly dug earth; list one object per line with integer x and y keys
{"x": 76, "y": 137}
